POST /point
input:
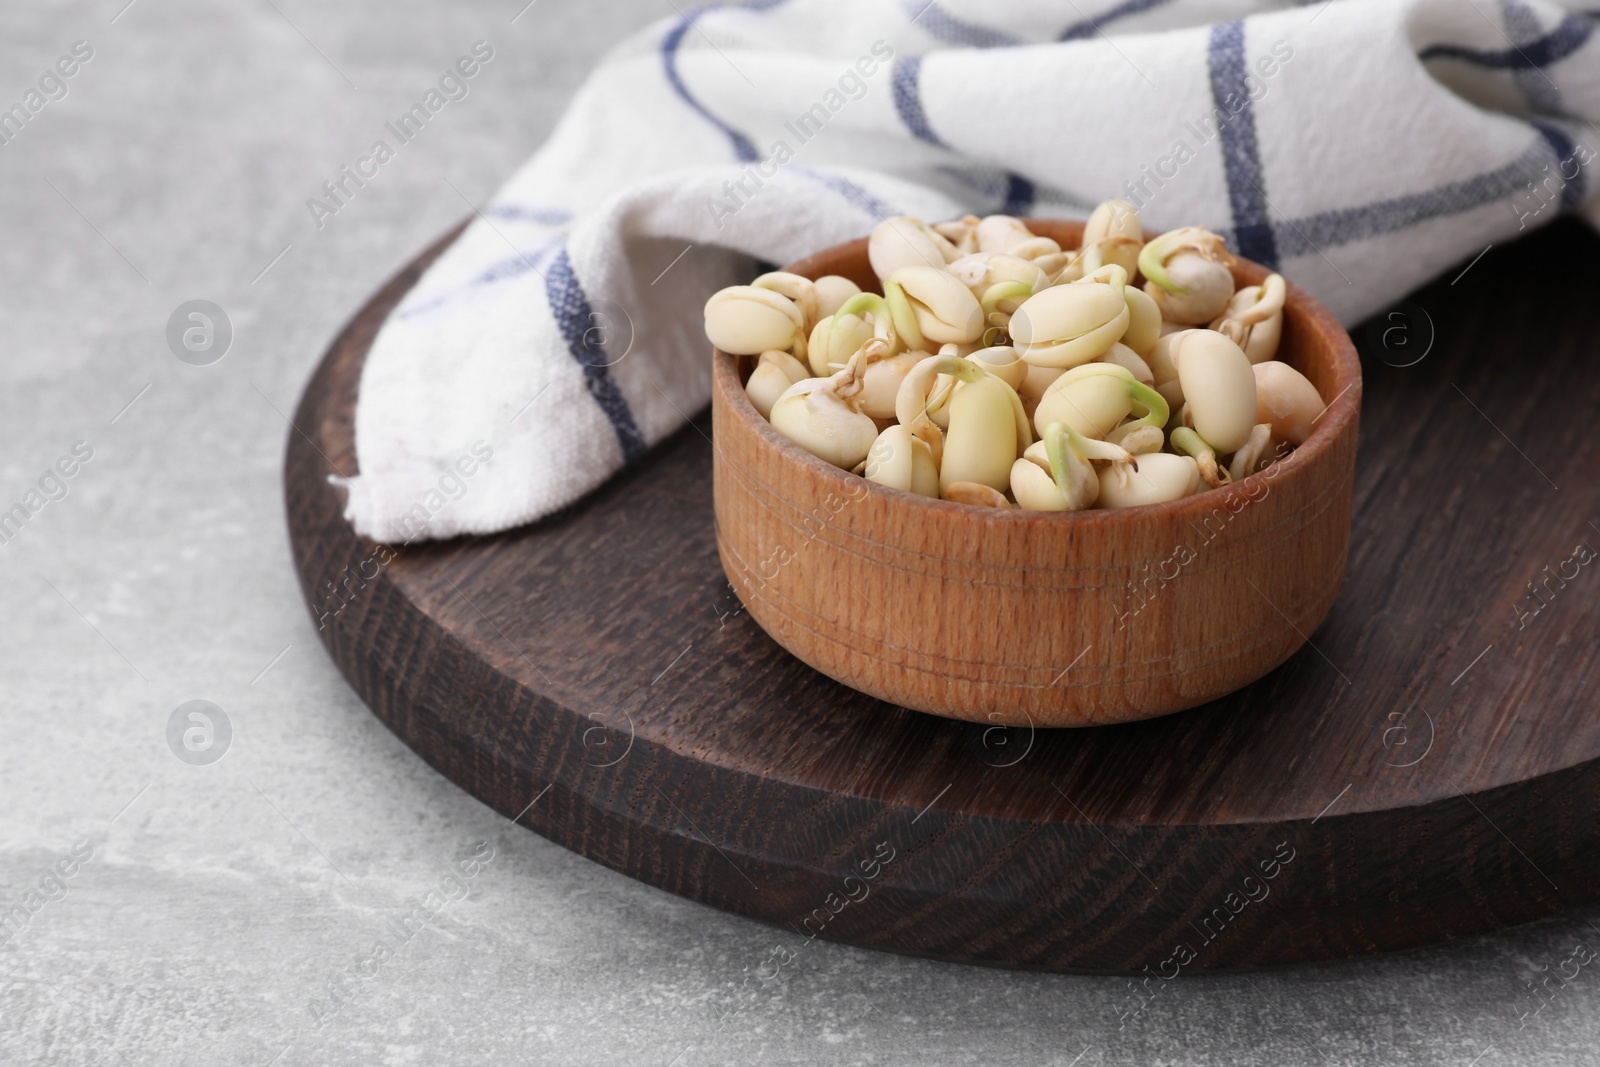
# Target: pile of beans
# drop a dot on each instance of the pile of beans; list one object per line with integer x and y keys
{"x": 1000, "y": 369}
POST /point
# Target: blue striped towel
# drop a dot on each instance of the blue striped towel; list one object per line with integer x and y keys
{"x": 1360, "y": 146}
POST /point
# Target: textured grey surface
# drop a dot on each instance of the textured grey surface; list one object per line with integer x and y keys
{"x": 223, "y": 904}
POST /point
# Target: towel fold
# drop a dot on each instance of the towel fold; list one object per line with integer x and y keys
{"x": 1359, "y": 146}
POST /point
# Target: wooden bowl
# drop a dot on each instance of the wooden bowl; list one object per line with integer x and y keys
{"x": 1032, "y": 618}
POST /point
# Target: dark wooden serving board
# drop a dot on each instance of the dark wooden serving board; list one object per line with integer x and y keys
{"x": 1427, "y": 767}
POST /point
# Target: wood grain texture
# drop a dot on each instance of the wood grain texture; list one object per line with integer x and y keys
{"x": 1431, "y": 759}
{"x": 1026, "y": 618}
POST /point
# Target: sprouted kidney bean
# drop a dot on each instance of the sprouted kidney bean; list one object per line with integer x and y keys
{"x": 1000, "y": 370}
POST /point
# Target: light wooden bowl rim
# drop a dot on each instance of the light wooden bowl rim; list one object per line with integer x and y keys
{"x": 1300, "y": 306}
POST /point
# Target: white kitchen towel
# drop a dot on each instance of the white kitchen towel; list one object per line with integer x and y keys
{"x": 1360, "y": 146}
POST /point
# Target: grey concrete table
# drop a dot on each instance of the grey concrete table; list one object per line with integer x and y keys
{"x": 319, "y": 895}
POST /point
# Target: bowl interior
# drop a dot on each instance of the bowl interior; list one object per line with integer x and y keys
{"x": 1313, "y": 342}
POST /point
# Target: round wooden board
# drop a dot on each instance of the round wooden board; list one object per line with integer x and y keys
{"x": 1427, "y": 767}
